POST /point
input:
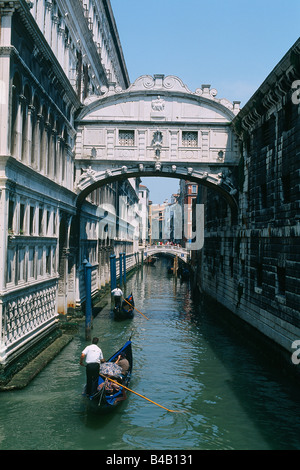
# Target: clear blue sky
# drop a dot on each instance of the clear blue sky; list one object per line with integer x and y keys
{"x": 231, "y": 44}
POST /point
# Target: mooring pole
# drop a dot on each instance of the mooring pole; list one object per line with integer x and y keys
{"x": 113, "y": 272}
{"x": 88, "y": 298}
{"x": 124, "y": 267}
{"x": 121, "y": 267}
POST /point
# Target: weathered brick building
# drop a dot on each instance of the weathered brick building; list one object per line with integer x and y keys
{"x": 252, "y": 266}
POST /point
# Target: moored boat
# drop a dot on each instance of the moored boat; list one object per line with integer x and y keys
{"x": 125, "y": 310}
{"x": 109, "y": 394}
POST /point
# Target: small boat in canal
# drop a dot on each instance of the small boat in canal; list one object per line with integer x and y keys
{"x": 109, "y": 394}
{"x": 125, "y": 310}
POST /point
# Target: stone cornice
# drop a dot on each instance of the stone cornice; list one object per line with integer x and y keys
{"x": 116, "y": 40}
{"x": 44, "y": 48}
{"x": 277, "y": 84}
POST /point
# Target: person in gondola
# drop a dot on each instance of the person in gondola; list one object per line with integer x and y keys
{"x": 111, "y": 388}
{"x": 93, "y": 356}
{"x": 128, "y": 304}
{"x": 123, "y": 362}
{"x": 117, "y": 294}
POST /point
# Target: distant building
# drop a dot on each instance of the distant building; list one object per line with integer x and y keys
{"x": 188, "y": 199}
{"x": 144, "y": 214}
{"x": 166, "y": 222}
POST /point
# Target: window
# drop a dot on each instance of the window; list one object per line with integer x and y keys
{"x": 263, "y": 195}
{"x": 11, "y": 207}
{"x": 286, "y": 188}
{"x": 21, "y": 264}
{"x": 189, "y": 139}
{"x": 231, "y": 266}
{"x": 40, "y": 221}
{"x": 10, "y": 268}
{"x": 126, "y": 138}
{"x": 31, "y": 220}
{"x": 259, "y": 273}
{"x": 281, "y": 280}
{"x": 48, "y": 220}
{"x": 31, "y": 262}
{"x": 48, "y": 260}
{"x": 288, "y": 116}
{"x": 22, "y": 218}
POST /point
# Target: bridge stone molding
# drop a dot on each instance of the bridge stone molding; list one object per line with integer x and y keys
{"x": 157, "y": 127}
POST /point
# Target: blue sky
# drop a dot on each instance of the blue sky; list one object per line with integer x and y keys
{"x": 232, "y": 45}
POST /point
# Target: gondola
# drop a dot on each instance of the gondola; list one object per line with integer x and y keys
{"x": 106, "y": 398}
{"x": 125, "y": 310}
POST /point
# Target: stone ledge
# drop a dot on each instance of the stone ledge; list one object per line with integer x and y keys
{"x": 22, "y": 378}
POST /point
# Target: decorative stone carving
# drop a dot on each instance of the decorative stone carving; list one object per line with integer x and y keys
{"x": 158, "y": 104}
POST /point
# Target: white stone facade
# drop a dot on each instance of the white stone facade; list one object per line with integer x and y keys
{"x": 53, "y": 55}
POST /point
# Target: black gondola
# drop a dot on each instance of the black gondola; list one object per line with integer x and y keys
{"x": 125, "y": 310}
{"x": 106, "y": 396}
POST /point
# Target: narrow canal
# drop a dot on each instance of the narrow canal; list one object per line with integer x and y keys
{"x": 185, "y": 358}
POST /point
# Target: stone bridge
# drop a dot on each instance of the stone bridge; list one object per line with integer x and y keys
{"x": 171, "y": 250}
{"x": 157, "y": 127}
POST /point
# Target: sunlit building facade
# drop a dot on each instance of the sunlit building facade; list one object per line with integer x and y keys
{"x": 53, "y": 56}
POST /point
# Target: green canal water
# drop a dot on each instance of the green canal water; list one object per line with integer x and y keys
{"x": 186, "y": 358}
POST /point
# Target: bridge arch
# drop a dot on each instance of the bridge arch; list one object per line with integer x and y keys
{"x": 91, "y": 179}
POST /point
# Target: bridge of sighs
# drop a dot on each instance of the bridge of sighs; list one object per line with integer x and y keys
{"x": 157, "y": 127}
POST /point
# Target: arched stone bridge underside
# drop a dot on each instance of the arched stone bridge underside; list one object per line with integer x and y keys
{"x": 157, "y": 127}
{"x": 91, "y": 179}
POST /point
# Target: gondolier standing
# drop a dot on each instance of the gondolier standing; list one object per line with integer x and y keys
{"x": 92, "y": 355}
{"x": 117, "y": 293}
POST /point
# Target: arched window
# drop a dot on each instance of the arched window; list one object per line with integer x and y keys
{"x": 51, "y": 147}
{"x": 35, "y": 141}
{"x": 25, "y": 123}
{"x": 15, "y": 116}
{"x": 44, "y": 141}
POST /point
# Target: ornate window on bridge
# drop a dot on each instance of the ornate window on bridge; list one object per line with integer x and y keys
{"x": 126, "y": 138}
{"x": 190, "y": 139}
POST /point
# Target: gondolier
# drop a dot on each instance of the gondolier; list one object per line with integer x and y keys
{"x": 93, "y": 356}
{"x": 125, "y": 310}
{"x": 117, "y": 294}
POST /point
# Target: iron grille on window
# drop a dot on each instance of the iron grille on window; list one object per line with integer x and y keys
{"x": 189, "y": 139}
{"x": 126, "y": 138}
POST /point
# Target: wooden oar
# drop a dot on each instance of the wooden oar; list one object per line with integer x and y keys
{"x": 142, "y": 396}
{"x": 135, "y": 309}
